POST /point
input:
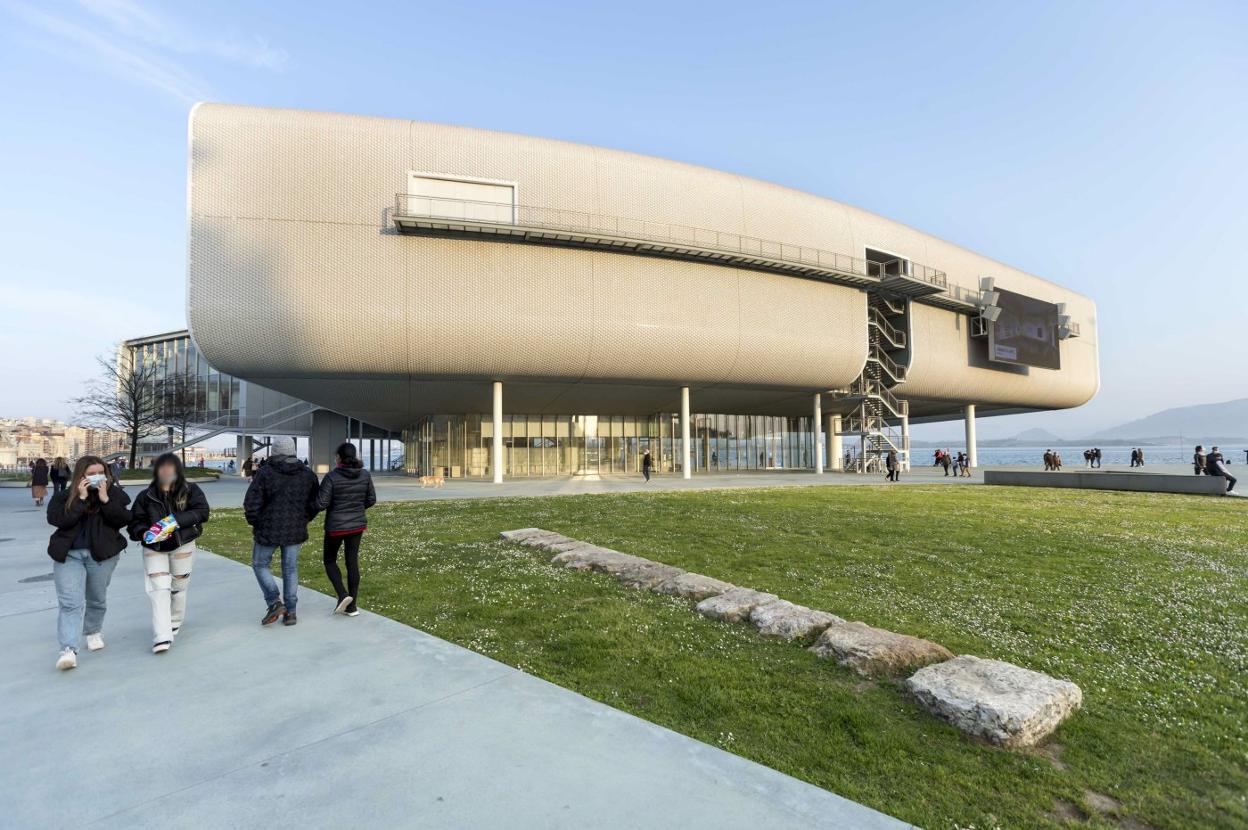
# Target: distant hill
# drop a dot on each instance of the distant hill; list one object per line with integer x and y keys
{"x": 1226, "y": 421}
{"x": 1033, "y": 438}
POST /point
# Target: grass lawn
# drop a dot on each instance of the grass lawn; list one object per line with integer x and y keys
{"x": 1141, "y": 599}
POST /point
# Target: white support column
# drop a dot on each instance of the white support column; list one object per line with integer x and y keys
{"x": 684, "y": 433}
{"x": 497, "y": 449}
{"x": 972, "y": 455}
{"x": 905, "y": 443}
{"x": 836, "y": 450}
{"x": 818, "y": 424}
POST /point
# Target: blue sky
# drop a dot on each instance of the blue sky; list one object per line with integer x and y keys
{"x": 1101, "y": 145}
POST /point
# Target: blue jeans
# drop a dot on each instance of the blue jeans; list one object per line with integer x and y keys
{"x": 82, "y": 595}
{"x": 262, "y": 561}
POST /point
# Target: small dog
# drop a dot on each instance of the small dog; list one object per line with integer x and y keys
{"x": 431, "y": 481}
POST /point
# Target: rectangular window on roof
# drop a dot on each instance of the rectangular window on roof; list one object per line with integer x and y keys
{"x": 460, "y": 198}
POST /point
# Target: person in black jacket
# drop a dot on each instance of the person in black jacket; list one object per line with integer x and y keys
{"x": 167, "y": 518}
{"x": 346, "y": 493}
{"x": 280, "y": 502}
{"x": 84, "y": 548}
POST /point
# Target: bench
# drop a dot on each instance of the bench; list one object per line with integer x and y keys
{"x": 1111, "y": 480}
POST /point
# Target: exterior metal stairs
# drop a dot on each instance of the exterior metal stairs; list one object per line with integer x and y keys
{"x": 879, "y": 417}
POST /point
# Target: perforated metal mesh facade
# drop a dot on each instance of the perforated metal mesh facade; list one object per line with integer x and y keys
{"x": 297, "y": 280}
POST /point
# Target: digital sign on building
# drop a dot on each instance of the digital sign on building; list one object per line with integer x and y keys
{"x": 1025, "y": 333}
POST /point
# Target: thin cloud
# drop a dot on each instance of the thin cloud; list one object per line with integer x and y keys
{"x": 133, "y": 19}
{"x": 127, "y": 39}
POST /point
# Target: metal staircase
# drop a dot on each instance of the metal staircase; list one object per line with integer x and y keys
{"x": 876, "y": 421}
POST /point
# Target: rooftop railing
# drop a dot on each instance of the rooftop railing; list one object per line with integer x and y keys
{"x": 646, "y": 236}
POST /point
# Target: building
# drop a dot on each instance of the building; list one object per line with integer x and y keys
{"x": 520, "y": 306}
{"x": 23, "y": 440}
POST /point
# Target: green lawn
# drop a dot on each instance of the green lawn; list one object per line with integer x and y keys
{"x": 1140, "y": 599}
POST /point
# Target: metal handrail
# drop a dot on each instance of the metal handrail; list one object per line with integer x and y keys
{"x": 888, "y": 364}
{"x": 895, "y": 335}
{"x": 581, "y": 222}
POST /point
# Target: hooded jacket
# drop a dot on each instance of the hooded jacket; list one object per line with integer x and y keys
{"x": 152, "y": 505}
{"x": 101, "y": 521}
{"x": 346, "y": 492}
{"x": 280, "y": 502}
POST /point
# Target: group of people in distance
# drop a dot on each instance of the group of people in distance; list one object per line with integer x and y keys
{"x": 1212, "y": 463}
{"x": 1137, "y": 457}
{"x": 1092, "y": 457}
{"x": 92, "y": 512}
{"x": 1053, "y": 460}
{"x": 959, "y": 465}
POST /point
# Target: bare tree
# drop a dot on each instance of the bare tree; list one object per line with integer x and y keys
{"x": 177, "y": 403}
{"x": 122, "y": 398}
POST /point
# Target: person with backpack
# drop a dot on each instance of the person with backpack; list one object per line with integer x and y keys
{"x": 88, "y": 517}
{"x": 166, "y": 519}
{"x": 345, "y": 494}
{"x": 279, "y": 503}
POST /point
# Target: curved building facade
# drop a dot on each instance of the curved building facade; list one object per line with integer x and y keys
{"x": 396, "y": 271}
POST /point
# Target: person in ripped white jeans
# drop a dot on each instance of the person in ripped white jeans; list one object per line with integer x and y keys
{"x": 168, "y": 518}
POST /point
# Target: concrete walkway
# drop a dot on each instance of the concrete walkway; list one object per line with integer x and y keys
{"x": 337, "y": 723}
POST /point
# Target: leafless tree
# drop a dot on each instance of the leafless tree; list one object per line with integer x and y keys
{"x": 122, "y": 398}
{"x": 178, "y": 405}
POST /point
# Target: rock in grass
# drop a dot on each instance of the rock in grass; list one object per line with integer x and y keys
{"x": 734, "y": 605}
{"x": 781, "y": 618}
{"x": 646, "y": 574}
{"x": 693, "y": 586}
{"x": 874, "y": 652}
{"x": 1000, "y": 702}
{"x": 534, "y": 537}
{"x": 587, "y": 557}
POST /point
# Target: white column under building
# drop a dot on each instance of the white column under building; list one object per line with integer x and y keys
{"x": 972, "y": 455}
{"x": 684, "y": 433}
{"x": 496, "y": 454}
{"x": 836, "y": 451}
{"x": 817, "y": 422}
{"x": 905, "y": 443}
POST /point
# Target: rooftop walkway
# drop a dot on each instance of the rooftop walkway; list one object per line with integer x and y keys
{"x": 337, "y": 723}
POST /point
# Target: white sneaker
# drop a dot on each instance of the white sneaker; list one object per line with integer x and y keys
{"x": 161, "y": 647}
{"x": 343, "y": 604}
{"x": 67, "y": 660}
{"x": 95, "y": 642}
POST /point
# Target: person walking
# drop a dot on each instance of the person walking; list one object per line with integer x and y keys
{"x": 1215, "y": 465}
{"x": 1096, "y": 457}
{"x": 945, "y": 461}
{"x": 1198, "y": 460}
{"x": 892, "y": 466}
{"x": 166, "y": 519}
{"x": 88, "y": 517}
{"x": 345, "y": 494}
{"x": 646, "y": 464}
{"x": 39, "y": 481}
{"x": 248, "y": 467}
{"x": 59, "y": 473}
{"x": 279, "y": 503}
{"x": 1048, "y": 460}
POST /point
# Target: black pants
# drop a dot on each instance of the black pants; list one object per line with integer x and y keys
{"x": 59, "y": 484}
{"x": 351, "y": 545}
{"x": 645, "y": 471}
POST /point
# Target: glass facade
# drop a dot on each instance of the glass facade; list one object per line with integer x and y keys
{"x": 217, "y": 396}
{"x": 458, "y": 446}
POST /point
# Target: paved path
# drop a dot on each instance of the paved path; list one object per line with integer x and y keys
{"x": 337, "y": 723}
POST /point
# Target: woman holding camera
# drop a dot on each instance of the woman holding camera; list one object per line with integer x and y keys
{"x": 88, "y": 517}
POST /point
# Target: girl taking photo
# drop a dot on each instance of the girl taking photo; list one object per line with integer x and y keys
{"x": 168, "y": 518}
{"x": 88, "y": 516}
{"x": 346, "y": 493}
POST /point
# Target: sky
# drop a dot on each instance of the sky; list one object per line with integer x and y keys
{"x": 1100, "y": 145}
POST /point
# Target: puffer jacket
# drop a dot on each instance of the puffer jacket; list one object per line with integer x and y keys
{"x": 152, "y": 505}
{"x": 280, "y": 502}
{"x": 346, "y": 492}
{"x": 102, "y": 521}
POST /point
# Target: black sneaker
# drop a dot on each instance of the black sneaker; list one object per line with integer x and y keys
{"x": 289, "y": 618}
{"x": 276, "y": 609}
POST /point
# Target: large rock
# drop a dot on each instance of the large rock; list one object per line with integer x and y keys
{"x": 781, "y": 618}
{"x": 734, "y": 605}
{"x": 997, "y": 701}
{"x": 646, "y": 574}
{"x": 874, "y": 652}
{"x": 693, "y": 586}
{"x": 534, "y": 537}
{"x": 587, "y": 557}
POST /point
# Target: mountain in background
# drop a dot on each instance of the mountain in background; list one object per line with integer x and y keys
{"x": 1207, "y": 423}
{"x": 1033, "y": 438}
